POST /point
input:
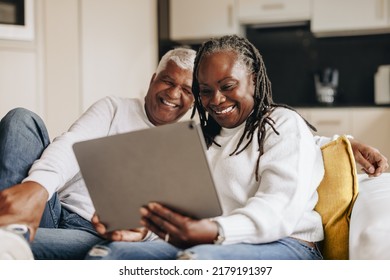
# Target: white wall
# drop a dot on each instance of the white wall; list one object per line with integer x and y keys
{"x": 82, "y": 50}
{"x": 61, "y": 28}
{"x": 18, "y": 80}
{"x": 119, "y": 47}
{"x": 21, "y": 68}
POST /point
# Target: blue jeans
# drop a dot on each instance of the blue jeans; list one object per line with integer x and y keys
{"x": 284, "y": 249}
{"x": 61, "y": 234}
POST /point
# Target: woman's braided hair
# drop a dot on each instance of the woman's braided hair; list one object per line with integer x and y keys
{"x": 247, "y": 54}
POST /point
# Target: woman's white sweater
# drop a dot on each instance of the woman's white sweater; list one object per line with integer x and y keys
{"x": 281, "y": 203}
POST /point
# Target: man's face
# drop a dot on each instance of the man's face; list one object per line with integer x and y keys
{"x": 170, "y": 95}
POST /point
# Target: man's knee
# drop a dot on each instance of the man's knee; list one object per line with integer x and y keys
{"x": 21, "y": 115}
{"x": 24, "y": 121}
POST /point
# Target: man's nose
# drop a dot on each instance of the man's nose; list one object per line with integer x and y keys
{"x": 175, "y": 92}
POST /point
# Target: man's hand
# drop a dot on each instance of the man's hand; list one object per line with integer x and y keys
{"x": 132, "y": 235}
{"x": 372, "y": 161}
{"x": 23, "y": 204}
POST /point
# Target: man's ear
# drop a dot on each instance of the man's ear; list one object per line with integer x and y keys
{"x": 152, "y": 79}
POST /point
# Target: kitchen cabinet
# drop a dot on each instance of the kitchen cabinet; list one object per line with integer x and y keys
{"x": 330, "y": 121}
{"x": 372, "y": 127}
{"x": 198, "y": 20}
{"x": 368, "y": 125}
{"x": 350, "y": 17}
{"x": 273, "y": 11}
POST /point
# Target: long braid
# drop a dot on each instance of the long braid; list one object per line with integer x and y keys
{"x": 263, "y": 102}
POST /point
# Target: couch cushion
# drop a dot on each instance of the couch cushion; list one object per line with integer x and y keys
{"x": 370, "y": 220}
{"x": 337, "y": 193}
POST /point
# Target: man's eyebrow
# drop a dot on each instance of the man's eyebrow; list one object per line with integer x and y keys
{"x": 166, "y": 76}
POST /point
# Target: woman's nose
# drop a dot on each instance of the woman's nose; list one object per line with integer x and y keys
{"x": 217, "y": 98}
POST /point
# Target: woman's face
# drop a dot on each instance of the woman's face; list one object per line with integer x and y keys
{"x": 226, "y": 88}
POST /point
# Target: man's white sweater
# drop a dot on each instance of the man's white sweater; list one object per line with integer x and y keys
{"x": 58, "y": 171}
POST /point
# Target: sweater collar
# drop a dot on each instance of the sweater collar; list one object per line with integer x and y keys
{"x": 148, "y": 122}
{"x": 226, "y": 132}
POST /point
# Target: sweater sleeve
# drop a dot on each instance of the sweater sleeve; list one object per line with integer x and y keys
{"x": 322, "y": 140}
{"x": 290, "y": 171}
{"x": 58, "y": 164}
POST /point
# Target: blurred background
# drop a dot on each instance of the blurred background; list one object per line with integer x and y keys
{"x": 327, "y": 58}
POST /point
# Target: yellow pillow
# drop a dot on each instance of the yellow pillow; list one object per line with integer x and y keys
{"x": 337, "y": 193}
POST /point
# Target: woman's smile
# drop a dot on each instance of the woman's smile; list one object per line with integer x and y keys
{"x": 223, "y": 112}
{"x": 226, "y": 88}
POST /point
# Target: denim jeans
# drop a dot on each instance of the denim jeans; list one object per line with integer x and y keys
{"x": 61, "y": 234}
{"x": 284, "y": 249}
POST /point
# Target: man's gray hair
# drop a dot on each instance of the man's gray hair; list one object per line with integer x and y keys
{"x": 183, "y": 57}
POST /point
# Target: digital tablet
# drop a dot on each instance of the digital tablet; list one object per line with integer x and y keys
{"x": 165, "y": 164}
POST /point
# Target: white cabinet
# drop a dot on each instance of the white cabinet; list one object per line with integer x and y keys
{"x": 372, "y": 127}
{"x": 198, "y": 20}
{"x": 368, "y": 125}
{"x": 330, "y": 121}
{"x": 350, "y": 17}
{"x": 273, "y": 11}
{"x": 202, "y": 19}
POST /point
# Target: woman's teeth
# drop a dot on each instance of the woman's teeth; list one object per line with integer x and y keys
{"x": 224, "y": 111}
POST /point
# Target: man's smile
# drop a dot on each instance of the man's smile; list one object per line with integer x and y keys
{"x": 167, "y": 103}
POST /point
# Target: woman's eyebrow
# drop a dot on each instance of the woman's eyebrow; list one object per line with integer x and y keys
{"x": 225, "y": 78}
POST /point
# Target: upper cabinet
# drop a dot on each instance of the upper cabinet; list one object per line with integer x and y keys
{"x": 201, "y": 19}
{"x": 273, "y": 11}
{"x": 191, "y": 20}
{"x": 350, "y": 17}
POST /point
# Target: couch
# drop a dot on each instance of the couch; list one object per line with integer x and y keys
{"x": 355, "y": 209}
{"x": 369, "y": 232}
